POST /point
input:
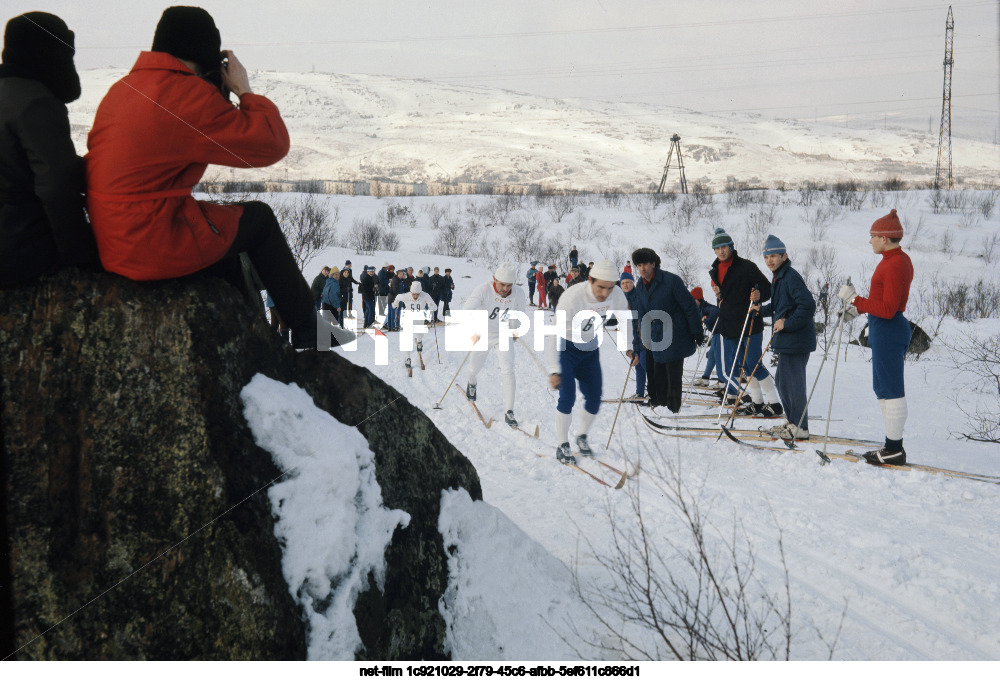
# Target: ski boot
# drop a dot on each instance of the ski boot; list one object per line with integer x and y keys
{"x": 563, "y": 455}
{"x": 583, "y": 446}
{"x": 701, "y": 382}
{"x": 884, "y": 456}
{"x": 510, "y": 419}
{"x": 470, "y": 392}
{"x": 409, "y": 367}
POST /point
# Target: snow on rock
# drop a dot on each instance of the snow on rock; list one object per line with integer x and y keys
{"x": 501, "y": 580}
{"x": 328, "y": 505}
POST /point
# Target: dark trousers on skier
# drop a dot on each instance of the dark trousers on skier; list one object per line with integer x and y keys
{"x": 663, "y": 382}
{"x": 790, "y": 380}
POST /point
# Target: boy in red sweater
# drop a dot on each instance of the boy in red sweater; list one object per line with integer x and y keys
{"x": 888, "y": 331}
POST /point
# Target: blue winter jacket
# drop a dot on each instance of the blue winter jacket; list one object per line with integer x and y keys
{"x": 667, "y": 293}
{"x": 331, "y": 293}
{"x": 384, "y": 278}
{"x": 791, "y": 301}
{"x": 707, "y": 309}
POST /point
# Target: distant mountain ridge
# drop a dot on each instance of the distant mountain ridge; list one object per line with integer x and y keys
{"x": 358, "y": 127}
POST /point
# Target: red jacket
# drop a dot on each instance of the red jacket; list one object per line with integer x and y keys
{"x": 154, "y": 133}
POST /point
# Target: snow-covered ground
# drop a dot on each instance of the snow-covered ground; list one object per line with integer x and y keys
{"x": 881, "y": 564}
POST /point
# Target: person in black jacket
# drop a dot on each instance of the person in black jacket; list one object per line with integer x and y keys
{"x": 385, "y": 276}
{"x": 449, "y": 287}
{"x": 367, "y": 288}
{"x": 347, "y": 283}
{"x": 318, "y": 284}
{"x": 737, "y": 283}
{"x": 436, "y": 290}
{"x": 42, "y": 221}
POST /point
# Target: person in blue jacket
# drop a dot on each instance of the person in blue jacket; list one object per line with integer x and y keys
{"x": 709, "y": 317}
{"x": 792, "y": 306}
{"x": 670, "y": 336}
{"x": 330, "y": 302}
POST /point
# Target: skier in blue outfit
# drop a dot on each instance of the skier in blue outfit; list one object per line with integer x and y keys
{"x": 713, "y": 359}
{"x": 792, "y": 306}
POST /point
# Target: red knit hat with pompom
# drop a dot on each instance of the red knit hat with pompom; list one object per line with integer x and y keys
{"x": 888, "y": 226}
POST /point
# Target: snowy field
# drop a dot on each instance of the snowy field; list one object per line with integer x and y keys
{"x": 880, "y": 564}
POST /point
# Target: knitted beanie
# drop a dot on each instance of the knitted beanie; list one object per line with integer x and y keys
{"x": 773, "y": 245}
{"x": 697, "y": 294}
{"x": 721, "y": 238}
{"x": 604, "y": 270}
{"x": 189, "y": 33}
{"x": 628, "y": 276}
{"x": 888, "y": 226}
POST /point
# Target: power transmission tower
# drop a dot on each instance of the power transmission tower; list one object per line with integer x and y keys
{"x": 945, "y": 136}
{"x": 675, "y": 143}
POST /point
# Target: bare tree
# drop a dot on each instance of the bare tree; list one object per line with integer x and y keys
{"x": 978, "y": 359}
{"x": 692, "y": 596}
{"x": 523, "y": 235}
{"x": 309, "y": 225}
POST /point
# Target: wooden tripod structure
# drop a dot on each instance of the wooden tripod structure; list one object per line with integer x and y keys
{"x": 675, "y": 143}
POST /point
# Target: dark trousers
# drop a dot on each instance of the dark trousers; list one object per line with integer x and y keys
{"x": 369, "y": 309}
{"x": 790, "y": 379}
{"x": 259, "y": 236}
{"x": 664, "y": 383}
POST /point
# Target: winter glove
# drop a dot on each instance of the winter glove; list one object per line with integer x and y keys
{"x": 849, "y": 313}
{"x": 699, "y": 339}
{"x": 847, "y": 293}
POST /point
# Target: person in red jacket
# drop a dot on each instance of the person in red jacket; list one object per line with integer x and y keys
{"x": 540, "y": 285}
{"x": 154, "y": 133}
{"x": 888, "y": 331}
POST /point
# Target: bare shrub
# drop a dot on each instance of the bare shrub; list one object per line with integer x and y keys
{"x": 827, "y": 279}
{"x": 760, "y": 220}
{"x": 978, "y": 361}
{"x": 683, "y": 260}
{"x": 435, "y": 214}
{"x": 559, "y": 206}
{"x": 695, "y": 594}
{"x": 498, "y": 209}
{"x": 808, "y": 193}
{"x": 368, "y": 235}
{"x": 819, "y": 219}
{"x": 523, "y": 234}
{"x": 455, "y": 238}
{"x": 990, "y": 243}
{"x": 309, "y": 225}
{"x": 582, "y": 230}
{"x": 492, "y": 252}
{"x": 685, "y": 215}
{"x": 652, "y": 208}
{"x": 849, "y": 194}
{"x": 913, "y": 231}
{"x": 985, "y": 202}
{"x": 396, "y": 215}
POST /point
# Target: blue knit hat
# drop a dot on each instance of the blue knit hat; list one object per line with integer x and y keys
{"x": 721, "y": 238}
{"x": 773, "y": 245}
{"x": 626, "y": 275}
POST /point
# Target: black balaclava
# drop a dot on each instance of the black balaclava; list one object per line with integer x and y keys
{"x": 39, "y": 46}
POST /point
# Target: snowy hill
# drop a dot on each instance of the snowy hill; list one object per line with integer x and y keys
{"x": 352, "y": 127}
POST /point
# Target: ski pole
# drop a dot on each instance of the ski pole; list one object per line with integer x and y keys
{"x": 819, "y": 371}
{"x": 701, "y": 354}
{"x": 736, "y": 355}
{"x": 744, "y": 387}
{"x": 438, "y": 405}
{"x": 833, "y": 383}
{"x": 436, "y": 345}
{"x": 628, "y": 375}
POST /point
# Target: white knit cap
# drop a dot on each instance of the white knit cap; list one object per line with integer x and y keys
{"x": 505, "y": 273}
{"x": 415, "y": 287}
{"x": 604, "y": 270}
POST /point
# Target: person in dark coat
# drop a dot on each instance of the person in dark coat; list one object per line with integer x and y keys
{"x": 737, "y": 283}
{"x": 793, "y": 308}
{"x": 396, "y": 288}
{"x": 367, "y": 288}
{"x": 42, "y": 221}
{"x": 385, "y": 276}
{"x": 449, "y": 292}
{"x": 555, "y": 292}
{"x": 346, "y": 291}
{"x": 318, "y": 284}
{"x": 347, "y": 281}
{"x": 667, "y": 344}
{"x": 573, "y": 257}
{"x": 437, "y": 291}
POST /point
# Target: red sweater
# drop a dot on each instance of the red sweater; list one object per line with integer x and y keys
{"x": 890, "y": 287}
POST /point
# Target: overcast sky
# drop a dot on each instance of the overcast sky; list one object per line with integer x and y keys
{"x": 782, "y": 58}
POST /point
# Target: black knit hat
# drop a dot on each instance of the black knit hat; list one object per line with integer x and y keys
{"x": 189, "y": 33}
{"x": 40, "y": 46}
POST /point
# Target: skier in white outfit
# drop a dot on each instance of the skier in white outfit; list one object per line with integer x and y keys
{"x": 416, "y": 302}
{"x": 499, "y": 298}
{"x": 574, "y": 356}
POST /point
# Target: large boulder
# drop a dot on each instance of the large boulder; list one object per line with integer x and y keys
{"x": 136, "y": 523}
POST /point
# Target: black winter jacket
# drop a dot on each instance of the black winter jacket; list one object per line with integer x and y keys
{"x": 734, "y": 296}
{"x": 42, "y": 219}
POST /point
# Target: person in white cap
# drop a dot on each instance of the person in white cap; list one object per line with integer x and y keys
{"x": 498, "y": 297}
{"x": 574, "y": 357}
{"x": 415, "y": 302}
